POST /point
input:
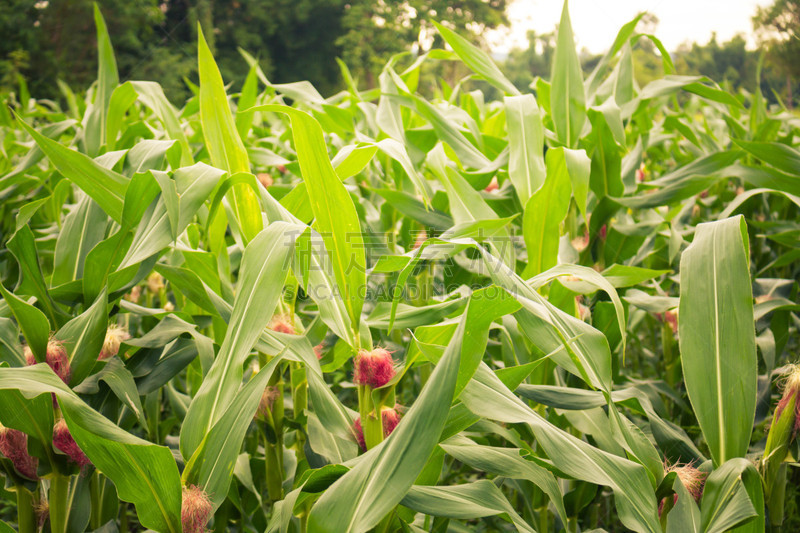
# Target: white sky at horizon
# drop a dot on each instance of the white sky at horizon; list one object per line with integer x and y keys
{"x": 596, "y": 22}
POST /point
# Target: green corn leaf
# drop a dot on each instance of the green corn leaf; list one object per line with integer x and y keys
{"x": 733, "y": 496}
{"x": 381, "y": 478}
{"x": 486, "y": 396}
{"x": 83, "y": 337}
{"x": 106, "y": 187}
{"x": 567, "y": 97}
{"x": 526, "y": 166}
{"x": 32, "y": 322}
{"x": 143, "y": 473}
{"x": 212, "y": 465}
{"x": 780, "y": 156}
{"x": 264, "y": 266}
{"x": 510, "y": 463}
{"x": 544, "y": 213}
{"x": 83, "y": 228}
{"x": 476, "y": 59}
{"x": 335, "y": 214}
{"x": 96, "y": 126}
{"x": 471, "y": 500}
{"x": 23, "y": 245}
{"x": 717, "y": 336}
{"x": 222, "y": 139}
{"x": 33, "y": 416}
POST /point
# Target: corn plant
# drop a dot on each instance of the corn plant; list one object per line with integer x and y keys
{"x": 410, "y": 308}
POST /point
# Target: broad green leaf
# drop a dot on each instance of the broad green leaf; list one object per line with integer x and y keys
{"x": 336, "y": 217}
{"x": 466, "y": 204}
{"x": 152, "y": 95}
{"x": 732, "y": 495}
{"x": 510, "y": 463}
{"x": 778, "y": 155}
{"x": 544, "y": 212}
{"x": 471, "y": 500}
{"x": 591, "y": 278}
{"x": 623, "y": 37}
{"x": 350, "y": 164}
{"x": 684, "y": 517}
{"x": 193, "y": 186}
{"x": 11, "y": 351}
{"x": 572, "y": 343}
{"x": 567, "y": 98}
{"x": 212, "y": 465}
{"x": 122, "y": 98}
{"x": 23, "y": 245}
{"x": 222, "y": 139}
{"x": 106, "y": 187}
{"x": 397, "y": 151}
{"x": 717, "y": 336}
{"x": 31, "y": 321}
{"x": 83, "y": 228}
{"x": 83, "y": 337}
{"x": 120, "y": 380}
{"x": 526, "y": 166}
{"x": 143, "y": 473}
{"x": 189, "y": 284}
{"x": 449, "y": 132}
{"x": 96, "y": 126}
{"x": 382, "y": 477}
{"x": 694, "y": 84}
{"x": 247, "y": 99}
{"x": 476, "y": 59}
{"x": 264, "y": 266}
{"x": 486, "y": 396}
{"x": 411, "y": 207}
{"x": 33, "y": 416}
{"x": 606, "y": 176}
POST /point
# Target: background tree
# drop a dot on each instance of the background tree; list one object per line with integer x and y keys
{"x": 778, "y": 27}
{"x": 59, "y": 38}
{"x": 523, "y": 66}
{"x": 374, "y": 31}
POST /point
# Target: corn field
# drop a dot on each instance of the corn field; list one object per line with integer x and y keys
{"x": 572, "y": 308}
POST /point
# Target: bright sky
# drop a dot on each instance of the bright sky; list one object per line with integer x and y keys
{"x": 596, "y": 22}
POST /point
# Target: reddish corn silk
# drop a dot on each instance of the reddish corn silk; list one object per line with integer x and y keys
{"x": 580, "y": 243}
{"x": 390, "y": 419}
{"x": 671, "y": 318}
{"x": 493, "y": 185}
{"x": 30, "y": 359}
{"x": 282, "y": 324}
{"x": 693, "y": 479}
{"x": 265, "y": 179}
{"x": 374, "y": 368}
{"x": 422, "y": 236}
{"x": 115, "y": 335}
{"x": 196, "y": 509}
{"x": 268, "y": 398}
{"x": 63, "y": 442}
{"x": 318, "y": 350}
{"x": 359, "y": 431}
{"x": 56, "y": 357}
{"x": 14, "y": 445}
{"x": 640, "y": 173}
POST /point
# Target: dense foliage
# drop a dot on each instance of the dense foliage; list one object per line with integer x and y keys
{"x": 562, "y": 310}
